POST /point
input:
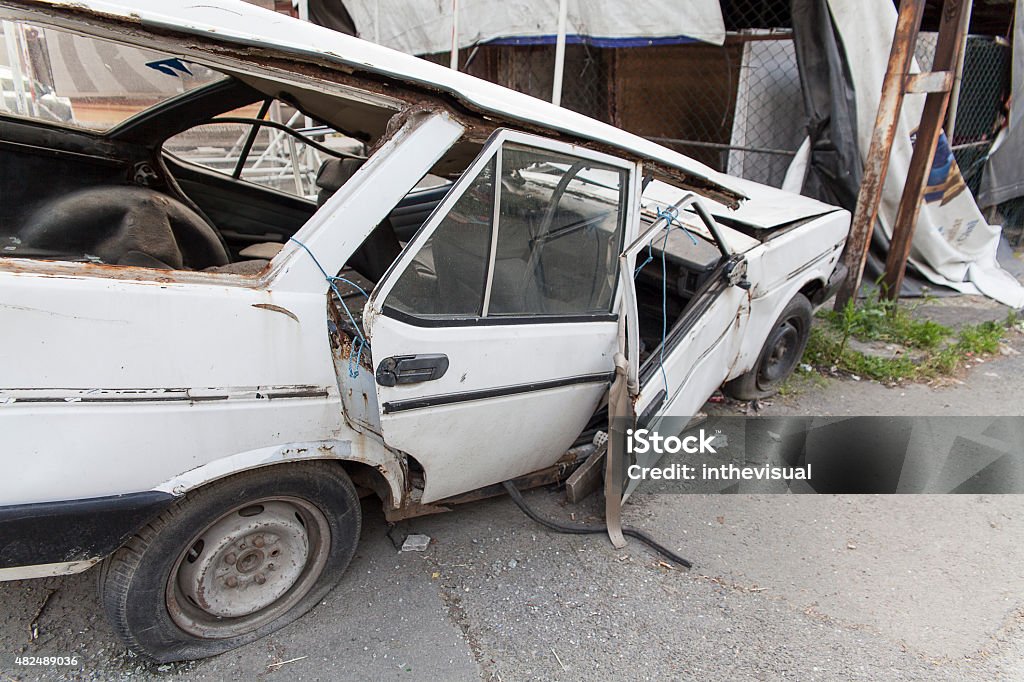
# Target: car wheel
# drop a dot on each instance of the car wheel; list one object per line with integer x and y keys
{"x": 232, "y": 561}
{"x": 780, "y": 354}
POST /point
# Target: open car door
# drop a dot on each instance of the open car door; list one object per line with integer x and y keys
{"x": 493, "y": 335}
{"x": 694, "y": 355}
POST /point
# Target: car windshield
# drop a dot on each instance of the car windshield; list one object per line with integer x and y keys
{"x": 53, "y": 75}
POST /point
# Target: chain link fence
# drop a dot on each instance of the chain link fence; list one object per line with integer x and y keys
{"x": 737, "y": 107}
{"x": 980, "y": 113}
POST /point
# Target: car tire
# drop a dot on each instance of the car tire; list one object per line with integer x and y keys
{"x": 232, "y": 561}
{"x": 779, "y": 356}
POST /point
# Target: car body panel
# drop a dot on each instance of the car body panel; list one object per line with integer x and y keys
{"x": 505, "y": 381}
{"x": 121, "y": 380}
{"x": 145, "y": 357}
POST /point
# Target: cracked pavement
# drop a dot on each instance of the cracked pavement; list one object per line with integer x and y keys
{"x": 920, "y": 587}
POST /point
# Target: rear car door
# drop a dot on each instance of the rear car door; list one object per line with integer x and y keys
{"x": 493, "y": 336}
{"x": 696, "y": 352}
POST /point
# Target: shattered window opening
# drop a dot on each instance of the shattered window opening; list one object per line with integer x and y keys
{"x": 87, "y": 83}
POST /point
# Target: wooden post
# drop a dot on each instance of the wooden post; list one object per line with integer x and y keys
{"x": 938, "y": 85}
{"x": 876, "y": 165}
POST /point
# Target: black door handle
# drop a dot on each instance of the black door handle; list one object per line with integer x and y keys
{"x": 411, "y": 369}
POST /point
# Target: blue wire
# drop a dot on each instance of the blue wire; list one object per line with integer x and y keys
{"x": 353, "y": 358}
{"x": 353, "y": 285}
{"x": 650, "y": 257}
{"x": 670, "y": 214}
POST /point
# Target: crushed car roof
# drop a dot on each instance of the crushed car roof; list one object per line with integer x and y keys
{"x": 250, "y": 25}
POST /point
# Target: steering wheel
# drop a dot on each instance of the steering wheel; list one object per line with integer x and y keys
{"x": 126, "y": 225}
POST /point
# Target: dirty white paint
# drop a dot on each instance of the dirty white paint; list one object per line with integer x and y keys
{"x": 116, "y": 380}
{"x": 165, "y": 375}
{"x": 361, "y": 448}
{"x": 727, "y": 340}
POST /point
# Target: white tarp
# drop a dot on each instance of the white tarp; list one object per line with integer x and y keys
{"x": 425, "y": 26}
{"x": 953, "y": 244}
{"x": 1003, "y": 179}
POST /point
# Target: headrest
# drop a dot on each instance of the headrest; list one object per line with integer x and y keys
{"x": 333, "y": 174}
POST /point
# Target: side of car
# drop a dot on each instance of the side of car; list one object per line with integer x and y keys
{"x": 200, "y": 419}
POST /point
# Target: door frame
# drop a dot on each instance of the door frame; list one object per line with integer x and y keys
{"x": 377, "y": 303}
{"x": 543, "y": 387}
{"x": 702, "y": 299}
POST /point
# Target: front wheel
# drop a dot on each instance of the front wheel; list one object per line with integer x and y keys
{"x": 233, "y": 561}
{"x": 780, "y": 354}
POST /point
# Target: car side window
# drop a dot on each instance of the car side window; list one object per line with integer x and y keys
{"x": 55, "y": 76}
{"x": 544, "y": 241}
{"x": 559, "y": 234}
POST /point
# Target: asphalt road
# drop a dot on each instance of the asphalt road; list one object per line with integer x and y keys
{"x": 801, "y": 587}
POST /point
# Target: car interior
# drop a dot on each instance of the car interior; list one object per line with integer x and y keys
{"x": 120, "y": 199}
{"x": 681, "y": 263}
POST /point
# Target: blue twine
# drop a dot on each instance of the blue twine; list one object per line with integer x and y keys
{"x": 351, "y": 284}
{"x": 360, "y": 341}
{"x": 650, "y": 257}
{"x": 670, "y": 214}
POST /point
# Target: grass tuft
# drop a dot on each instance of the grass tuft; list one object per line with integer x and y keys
{"x": 929, "y": 349}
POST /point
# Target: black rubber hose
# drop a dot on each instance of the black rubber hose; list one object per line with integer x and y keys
{"x": 517, "y": 497}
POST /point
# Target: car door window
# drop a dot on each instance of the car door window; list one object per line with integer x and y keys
{"x": 448, "y": 274}
{"x": 542, "y": 241}
{"x": 559, "y": 233}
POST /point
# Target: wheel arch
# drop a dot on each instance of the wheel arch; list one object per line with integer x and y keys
{"x": 375, "y": 466}
{"x": 814, "y": 289}
{"x": 764, "y": 311}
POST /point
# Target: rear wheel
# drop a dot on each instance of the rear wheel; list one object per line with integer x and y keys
{"x": 233, "y": 561}
{"x": 780, "y": 354}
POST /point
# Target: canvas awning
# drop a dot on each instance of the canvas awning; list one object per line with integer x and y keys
{"x": 425, "y": 26}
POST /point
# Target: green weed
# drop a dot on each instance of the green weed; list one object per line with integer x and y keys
{"x": 934, "y": 350}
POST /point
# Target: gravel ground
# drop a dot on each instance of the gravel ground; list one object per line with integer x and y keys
{"x": 801, "y": 587}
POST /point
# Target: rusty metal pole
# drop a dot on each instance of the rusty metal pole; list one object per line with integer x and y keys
{"x": 938, "y": 85}
{"x": 876, "y": 165}
{"x": 954, "y": 96}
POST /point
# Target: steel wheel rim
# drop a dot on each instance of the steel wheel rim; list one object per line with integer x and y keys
{"x": 782, "y": 352}
{"x": 247, "y": 568}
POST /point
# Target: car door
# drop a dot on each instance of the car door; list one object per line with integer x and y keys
{"x": 677, "y": 377}
{"x": 493, "y": 335}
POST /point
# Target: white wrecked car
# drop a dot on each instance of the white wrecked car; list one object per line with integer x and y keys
{"x": 266, "y": 269}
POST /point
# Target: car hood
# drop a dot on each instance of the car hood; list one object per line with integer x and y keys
{"x": 767, "y": 207}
